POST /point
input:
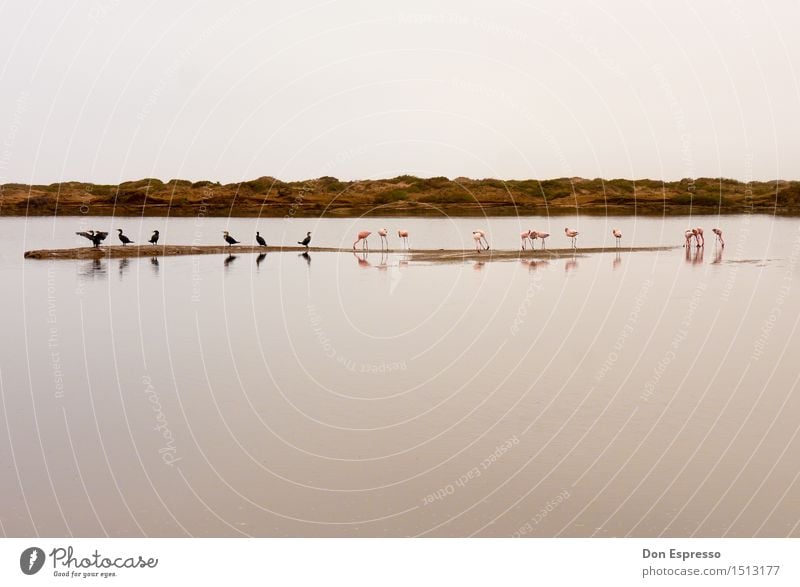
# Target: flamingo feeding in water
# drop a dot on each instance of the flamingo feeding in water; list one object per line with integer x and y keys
{"x": 525, "y": 237}
{"x": 573, "y": 234}
{"x": 540, "y": 235}
{"x": 403, "y": 235}
{"x": 362, "y": 237}
{"x": 383, "y": 233}
{"x": 718, "y": 232}
{"x": 617, "y": 235}
{"x": 698, "y": 236}
{"x": 688, "y": 234}
{"x": 480, "y": 237}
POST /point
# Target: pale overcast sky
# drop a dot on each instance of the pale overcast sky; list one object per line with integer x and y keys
{"x": 112, "y": 90}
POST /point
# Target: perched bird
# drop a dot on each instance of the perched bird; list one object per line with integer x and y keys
{"x": 260, "y": 240}
{"x": 617, "y": 234}
{"x": 154, "y": 238}
{"x": 383, "y": 233}
{"x": 95, "y": 236}
{"x": 573, "y": 234}
{"x": 718, "y": 232}
{"x": 362, "y": 238}
{"x": 481, "y": 238}
{"x": 305, "y": 241}
{"x": 229, "y": 239}
{"x": 541, "y": 235}
{"x": 123, "y": 239}
{"x": 403, "y": 235}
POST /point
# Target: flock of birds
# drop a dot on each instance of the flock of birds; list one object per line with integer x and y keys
{"x": 479, "y": 236}
{"x": 98, "y": 236}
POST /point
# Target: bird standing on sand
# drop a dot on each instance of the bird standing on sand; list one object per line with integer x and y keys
{"x": 403, "y": 235}
{"x": 362, "y": 238}
{"x": 305, "y": 241}
{"x": 229, "y": 239}
{"x": 154, "y": 238}
{"x": 260, "y": 240}
{"x": 95, "y": 236}
{"x": 123, "y": 239}
{"x": 480, "y": 237}
{"x": 617, "y": 235}
{"x": 573, "y": 234}
{"x": 718, "y": 232}
{"x": 540, "y": 235}
{"x": 383, "y": 233}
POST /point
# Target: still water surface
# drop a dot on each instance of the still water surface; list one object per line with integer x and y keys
{"x": 639, "y": 394}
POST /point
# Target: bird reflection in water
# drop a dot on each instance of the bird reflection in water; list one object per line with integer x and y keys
{"x": 259, "y": 259}
{"x": 307, "y": 257}
{"x": 571, "y": 264}
{"x": 154, "y": 264}
{"x": 616, "y": 262}
{"x": 228, "y": 260}
{"x": 695, "y": 256}
{"x": 123, "y": 265}
{"x": 384, "y": 264}
{"x": 362, "y": 259}
{"x": 533, "y": 265}
{"x": 718, "y": 255}
{"x": 92, "y": 269}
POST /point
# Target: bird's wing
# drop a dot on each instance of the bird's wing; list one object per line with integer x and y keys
{"x": 100, "y": 235}
{"x": 84, "y": 234}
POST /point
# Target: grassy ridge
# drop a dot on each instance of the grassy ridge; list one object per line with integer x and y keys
{"x": 403, "y": 195}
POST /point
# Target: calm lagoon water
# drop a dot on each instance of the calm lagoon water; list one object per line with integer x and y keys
{"x": 631, "y": 394}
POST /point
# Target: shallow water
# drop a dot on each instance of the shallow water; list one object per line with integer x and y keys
{"x": 638, "y": 394}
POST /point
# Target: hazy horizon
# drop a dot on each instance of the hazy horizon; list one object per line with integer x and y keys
{"x": 106, "y": 92}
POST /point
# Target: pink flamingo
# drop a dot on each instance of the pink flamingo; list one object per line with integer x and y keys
{"x": 362, "y": 236}
{"x": 718, "y": 232}
{"x": 525, "y": 236}
{"x": 541, "y": 235}
{"x": 383, "y": 234}
{"x": 573, "y": 234}
{"x": 481, "y": 236}
{"x": 617, "y": 235}
{"x": 476, "y": 236}
{"x": 403, "y": 235}
{"x": 688, "y": 234}
{"x": 698, "y": 236}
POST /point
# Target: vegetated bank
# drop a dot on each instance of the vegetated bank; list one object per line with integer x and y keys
{"x": 405, "y": 195}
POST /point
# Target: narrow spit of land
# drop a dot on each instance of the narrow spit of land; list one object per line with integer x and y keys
{"x": 421, "y": 255}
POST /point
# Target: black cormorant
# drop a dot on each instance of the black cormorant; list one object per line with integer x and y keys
{"x": 260, "y": 240}
{"x": 123, "y": 239}
{"x": 95, "y": 236}
{"x": 154, "y": 238}
{"x": 305, "y": 241}
{"x": 229, "y": 239}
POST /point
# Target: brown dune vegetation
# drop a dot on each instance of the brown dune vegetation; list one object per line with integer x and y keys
{"x": 400, "y": 196}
